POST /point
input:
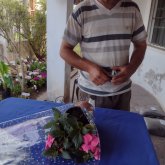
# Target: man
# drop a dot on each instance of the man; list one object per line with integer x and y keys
{"x": 105, "y": 30}
{"x": 77, "y": 1}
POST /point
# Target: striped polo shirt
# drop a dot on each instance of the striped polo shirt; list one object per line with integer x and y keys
{"x": 104, "y": 36}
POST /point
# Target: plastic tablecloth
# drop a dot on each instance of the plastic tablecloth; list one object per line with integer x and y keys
{"x": 123, "y": 135}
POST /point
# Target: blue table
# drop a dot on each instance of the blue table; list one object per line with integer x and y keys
{"x": 12, "y": 108}
{"x": 124, "y": 136}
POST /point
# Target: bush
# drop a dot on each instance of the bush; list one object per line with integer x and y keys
{"x": 16, "y": 91}
{"x": 36, "y": 75}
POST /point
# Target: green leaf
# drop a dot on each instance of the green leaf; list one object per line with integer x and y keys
{"x": 80, "y": 124}
{"x": 63, "y": 119}
{"x": 57, "y": 114}
{"x": 66, "y": 126}
{"x": 4, "y": 69}
{"x": 89, "y": 126}
{"x": 49, "y": 125}
{"x": 66, "y": 143}
{"x": 72, "y": 121}
{"x": 86, "y": 157}
{"x": 57, "y": 133}
{"x": 50, "y": 152}
{"x": 70, "y": 130}
{"x": 5, "y": 76}
{"x": 85, "y": 130}
{"x": 77, "y": 140}
{"x": 55, "y": 127}
{"x": 73, "y": 133}
{"x": 66, "y": 155}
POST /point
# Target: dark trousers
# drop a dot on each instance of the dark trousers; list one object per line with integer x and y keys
{"x": 118, "y": 102}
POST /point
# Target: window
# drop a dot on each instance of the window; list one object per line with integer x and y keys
{"x": 157, "y": 23}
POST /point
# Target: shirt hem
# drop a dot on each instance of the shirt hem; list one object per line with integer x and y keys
{"x": 105, "y": 95}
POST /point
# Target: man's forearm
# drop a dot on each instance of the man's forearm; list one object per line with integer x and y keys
{"x": 67, "y": 53}
{"x": 137, "y": 55}
{"x": 125, "y": 72}
{"x": 96, "y": 74}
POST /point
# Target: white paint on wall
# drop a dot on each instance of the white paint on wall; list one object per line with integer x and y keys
{"x": 56, "y": 20}
{"x": 3, "y": 42}
{"x": 57, "y": 12}
{"x": 151, "y": 74}
{"x": 145, "y": 10}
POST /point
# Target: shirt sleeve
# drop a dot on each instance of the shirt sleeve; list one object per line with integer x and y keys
{"x": 73, "y": 30}
{"x": 139, "y": 32}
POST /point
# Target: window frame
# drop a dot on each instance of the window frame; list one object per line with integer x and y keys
{"x": 151, "y": 23}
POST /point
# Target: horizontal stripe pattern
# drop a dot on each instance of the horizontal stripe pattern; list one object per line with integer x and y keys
{"x": 104, "y": 17}
{"x": 95, "y": 92}
{"x": 129, "y": 4}
{"x": 81, "y": 72}
{"x": 70, "y": 35}
{"x": 141, "y": 29}
{"x": 106, "y": 49}
{"x": 75, "y": 18}
{"x": 107, "y": 37}
{"x": 102, "y": 44}
{"x": 83, "y": 9}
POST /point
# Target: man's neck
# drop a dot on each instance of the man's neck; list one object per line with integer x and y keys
{"x": 109, "y": 4}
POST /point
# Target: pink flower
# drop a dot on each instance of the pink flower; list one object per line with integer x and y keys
{"x": 97, "y": 153}
{"x": 49, "y": 141}
{"x": 90, "y": 143}
{"x": 36, "y": 78}
{"x": 95, "y": 141}
{"x": 43, "y": 74}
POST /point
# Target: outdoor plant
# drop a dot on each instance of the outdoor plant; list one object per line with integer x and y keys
{"x": 12, "y": 15}
{"x": 36, "y": 74}
{"x": 17, "y": 26}
{"x": 37, "y": 35}
{"x": 71, "y": 136}
{"x": 16, "y": 90}
{"x": 6, "y": 84}
{"x": 38, "y": 65}
{"x": 5, "y": 78}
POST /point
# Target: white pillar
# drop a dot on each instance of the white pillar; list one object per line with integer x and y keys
{"x": 3, "y": 48}
{"x": 57, "y": 13}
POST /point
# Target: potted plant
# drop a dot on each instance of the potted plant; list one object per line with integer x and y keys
{"x": 6, "y": 80}
{"x": 72, "y": 135}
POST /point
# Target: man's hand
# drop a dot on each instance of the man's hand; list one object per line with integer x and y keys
{"x": 124, "y": 73}
{"x": 97, "y": 75}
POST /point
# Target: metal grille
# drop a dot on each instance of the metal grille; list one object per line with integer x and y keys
{"x": 158, "y": 35}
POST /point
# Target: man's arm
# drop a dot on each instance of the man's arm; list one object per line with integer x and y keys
{"x": 125, "y": 72}
{"x": 96, "y": 73}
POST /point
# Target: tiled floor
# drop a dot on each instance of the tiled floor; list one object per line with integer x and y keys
{"x": 141, "y": 101}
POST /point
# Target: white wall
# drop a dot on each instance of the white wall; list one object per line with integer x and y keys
{"x": 57, "y": 11}
{"x": 3, "y": 42}
{"x": 145, "y": 9}
{"x": 151, "y": 74}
